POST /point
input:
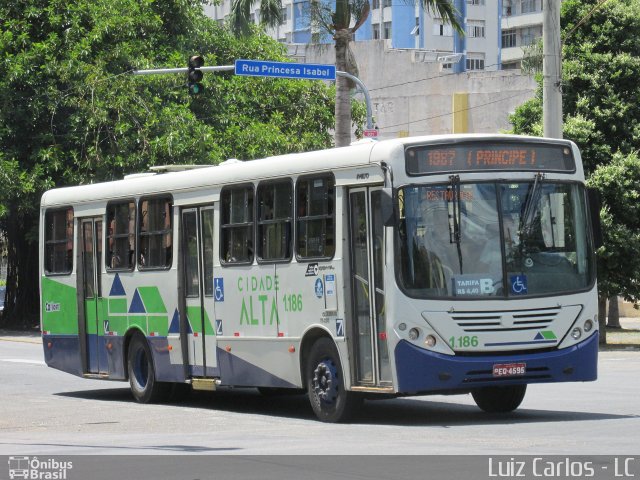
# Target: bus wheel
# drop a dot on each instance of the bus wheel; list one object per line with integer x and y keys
{"x": 325, "y": 384}
{"x": 499, "y": 399}
{"x": 142, "y": 375}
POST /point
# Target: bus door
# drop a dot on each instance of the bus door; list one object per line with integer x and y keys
{"x": 93, "y": 306}
{"x": 198, "y": 289}
{"x": 368, "y": 337}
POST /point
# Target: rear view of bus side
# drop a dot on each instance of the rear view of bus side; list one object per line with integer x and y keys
{"x": 444, "y": 264}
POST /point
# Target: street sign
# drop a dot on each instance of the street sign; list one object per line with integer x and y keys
{"x": 307, "y": 71}
{"x": 370, "y": 133}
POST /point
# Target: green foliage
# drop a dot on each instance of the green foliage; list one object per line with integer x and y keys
{"x": 619, "y": 186}
{"x": 71, "y": 112}
{"x": 601, "y": 68}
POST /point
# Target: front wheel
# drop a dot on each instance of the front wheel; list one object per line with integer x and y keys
{"x": 142, "y": 376}
{"x": 499, "y": 399}
{"x": 330, "y": 401}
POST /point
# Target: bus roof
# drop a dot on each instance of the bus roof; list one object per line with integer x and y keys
{"x": 176, "y": 179}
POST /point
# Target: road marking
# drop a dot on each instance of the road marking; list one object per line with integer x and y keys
{"x": 22, "y": 360}
{"x": 19, "y": 340}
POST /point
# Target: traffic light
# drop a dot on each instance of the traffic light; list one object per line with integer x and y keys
{"x": 195, "y": 74}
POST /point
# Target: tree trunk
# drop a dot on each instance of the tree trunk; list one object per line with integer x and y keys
{"x": 343, "y": 100}
{"x": 602, "y": 318}
{"x": 22, "y": 302}
{"x": 614, "y": 313}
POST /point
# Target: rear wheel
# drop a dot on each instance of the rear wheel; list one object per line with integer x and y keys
{"x": 330, "y": 401}
{"x": 499, "y": 399}
{"x": 142, "y": 376}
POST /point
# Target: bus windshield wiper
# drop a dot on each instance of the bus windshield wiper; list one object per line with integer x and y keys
{"x": 530, "y": 207}
{"x": 455, "y": 233}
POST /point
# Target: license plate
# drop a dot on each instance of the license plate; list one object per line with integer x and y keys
{"x": 509, "y": 369}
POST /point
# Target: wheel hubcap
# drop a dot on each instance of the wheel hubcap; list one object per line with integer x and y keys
{"x": 325, "y": 383}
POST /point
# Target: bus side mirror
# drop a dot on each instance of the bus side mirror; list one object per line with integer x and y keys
{"x": 387, "y": 212}
{"x": 593, "y": 197}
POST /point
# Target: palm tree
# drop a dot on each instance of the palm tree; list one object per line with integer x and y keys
{"x": 338, "y": 23}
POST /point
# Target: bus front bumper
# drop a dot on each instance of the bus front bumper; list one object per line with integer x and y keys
{"x": 423, "y": 371}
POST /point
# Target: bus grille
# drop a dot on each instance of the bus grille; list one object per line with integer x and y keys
{"x": 505, "y": 320}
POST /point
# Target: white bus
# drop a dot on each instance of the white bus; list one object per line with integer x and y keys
{"x": 440, "y": 264}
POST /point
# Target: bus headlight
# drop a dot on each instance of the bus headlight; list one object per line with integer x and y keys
{"x": 430, "y": 341}
{"x": 414, "y": 333}
{"x": 588, "y": 325}
{"x": 576, "y": 333}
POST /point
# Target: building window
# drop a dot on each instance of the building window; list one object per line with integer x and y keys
{"x": 275, "y": 220}
{"x": 375, "y": 4}
{"x": 475, "y": 29}
{"x": 528, "y": 6}
{"x": 387, "y": 30}
{"x": 509, "y": 38}
{"x": 506, "y": 8}
{"x": 236, "y": 236}
{"x": 475, "y": 62}
{"x": 475, "y": 2}
{"x": 386, "y": 3}
{"x": 283, "y": 15}
{"x": 376, "y": 32}
{"x": 155, "y": 233}
{"x": 528, "y": 36}
{"x": 440, "y": 29}
{"x": 121, "y": 228}
{"x": 315, "y": 217}
{"x": 58, "y": 242}
{"x": 415, "y": 31}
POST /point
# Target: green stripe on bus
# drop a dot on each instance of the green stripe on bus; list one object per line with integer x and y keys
{"x": 117, "y": 305}
{"x": 59, "y": 308}
{"x": 152, "y": 299}
{"x": 158, "y": 324}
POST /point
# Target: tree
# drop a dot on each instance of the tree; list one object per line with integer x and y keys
{"x": 341, "y": 21}
{"x": 601, "y": 65}
{"x": 71, "y": 114}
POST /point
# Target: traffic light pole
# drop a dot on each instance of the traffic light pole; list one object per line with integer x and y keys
{"x": 226, "y": 68}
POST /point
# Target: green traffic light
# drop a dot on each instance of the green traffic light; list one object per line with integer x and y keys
{"x": 196, "y": 88}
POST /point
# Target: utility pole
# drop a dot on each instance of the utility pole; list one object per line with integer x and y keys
{"x": 552, "y": 70}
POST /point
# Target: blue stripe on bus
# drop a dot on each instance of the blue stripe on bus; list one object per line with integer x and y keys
{"x": 423, "y": 371}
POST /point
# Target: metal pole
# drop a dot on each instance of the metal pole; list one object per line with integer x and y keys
{"x": 367, "y": 98}
{"x": 159, "y": 71}
{"x": 222, "y": 68}
{"x": 552, "y": 70}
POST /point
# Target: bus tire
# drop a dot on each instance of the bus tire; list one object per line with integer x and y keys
{"x": 499, "y": 399}
{"x": 330, "y": 401}
{"x": 142, "y": 376}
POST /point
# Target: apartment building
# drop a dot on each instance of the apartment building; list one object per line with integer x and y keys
{"x": 496, "y": 30}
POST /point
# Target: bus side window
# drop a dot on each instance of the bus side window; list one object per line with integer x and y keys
{"x": 236, "y": 225}
{"x": 155, "y": 233}
{"x": 58, "y": 243}
{"x": 315, "y": 217}
{"x": 274, "y": 220}
{"x": 121, "y": 217}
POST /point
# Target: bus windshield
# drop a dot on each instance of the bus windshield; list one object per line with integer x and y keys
{"x": 499, "y": 239}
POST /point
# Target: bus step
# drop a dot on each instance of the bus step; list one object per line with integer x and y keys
{"x": 208, "y": 384}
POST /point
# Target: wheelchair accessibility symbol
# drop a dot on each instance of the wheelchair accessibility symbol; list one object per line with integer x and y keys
{"x": 218, "y": 289}
{"x": 518, "y": 284}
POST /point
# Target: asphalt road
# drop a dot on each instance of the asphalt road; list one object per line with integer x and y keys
{"x": 47, "y": 412}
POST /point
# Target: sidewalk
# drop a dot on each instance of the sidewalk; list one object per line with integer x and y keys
{"x": 625, "y": 338}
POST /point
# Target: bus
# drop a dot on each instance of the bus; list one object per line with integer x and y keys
{"x": 449, "y": 264}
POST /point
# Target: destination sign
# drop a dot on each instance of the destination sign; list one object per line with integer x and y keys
{"x": 478, "y": 156}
